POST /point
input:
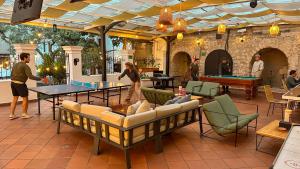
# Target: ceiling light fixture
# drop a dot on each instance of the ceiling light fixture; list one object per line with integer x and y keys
{"x": 221, "y": 29}
{"x": 253, "y": 3}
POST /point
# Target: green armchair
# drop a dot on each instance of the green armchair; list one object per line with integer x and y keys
{"x": 193, "y": 86}
{"x": 157, "y": 96}
{"x": 224, "y": 117}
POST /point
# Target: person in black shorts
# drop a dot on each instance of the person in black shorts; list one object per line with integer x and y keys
{"x": 20, "y": 74}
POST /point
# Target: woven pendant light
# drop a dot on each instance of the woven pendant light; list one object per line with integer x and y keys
{"x": 161, "y": 27}
{"x": 166, "y": 17}
{"x": 221, "y": 29}
{"x": 274, "y": 30}
{"x": 179, "y": 25}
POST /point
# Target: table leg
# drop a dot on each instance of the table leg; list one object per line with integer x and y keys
{"x": 103, "y": 95}
{"x": 88, "y": 97}
{"x": 107, "y": 98}
{"x": 39, "y": 104}
{"x": 120, "y": 95}
{"x": 248, "y": 93}
{"x": 53, "y": 107}
{"x": 76, "y": 97}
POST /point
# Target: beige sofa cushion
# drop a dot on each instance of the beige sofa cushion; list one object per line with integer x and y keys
{"x": 145, "y": 106}
{"x": 132, "y": 108}
{"x": 167, "y": 110}
{"x": 136, "y": 119}
{"x": 93, "y": 110}
{"x": 187, "y": 106}
{"x": 74, "y": 106}
{"x": 193, "y": 104}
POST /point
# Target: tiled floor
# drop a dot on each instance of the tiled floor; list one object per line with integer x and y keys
{"x": 33, "y": 143}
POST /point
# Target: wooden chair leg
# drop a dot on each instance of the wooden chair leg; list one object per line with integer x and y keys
{"x": 127, "y": 158}
{"x": 58, "y": 127}
{"x": 269, "y": 109}
{"x": 273, "y": 107}
{"x": 282, "y": 111}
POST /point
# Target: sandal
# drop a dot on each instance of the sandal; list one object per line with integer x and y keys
{"x": 13, "y": 117}
{"x": 26, "y": 116}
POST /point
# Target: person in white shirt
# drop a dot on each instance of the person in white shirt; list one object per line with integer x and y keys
{"x": 258, "y": 66}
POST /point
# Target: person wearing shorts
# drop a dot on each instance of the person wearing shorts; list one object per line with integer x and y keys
{"x": 20, "y": 74}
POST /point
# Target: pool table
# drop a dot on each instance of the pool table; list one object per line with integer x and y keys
{"x": 249, "y": 83}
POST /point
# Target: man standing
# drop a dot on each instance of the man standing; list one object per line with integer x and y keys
{"x": 20, "y": 74}
{"x": 134, "y": 76}
{"x": 225, "y": 69}
{"x": 195, "y": 70}
{"x": 258, "y": 66}
{"x": 292, "y": 80}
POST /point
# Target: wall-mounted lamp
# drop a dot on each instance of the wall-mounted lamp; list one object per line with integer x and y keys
{"x": 76, "y": 60}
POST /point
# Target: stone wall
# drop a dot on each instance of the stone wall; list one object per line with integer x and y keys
{"x": 256, "y": 38}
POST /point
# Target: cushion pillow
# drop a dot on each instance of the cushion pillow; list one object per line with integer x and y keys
{"x": 132, "y": 108}
{"x": 184, "y": 99}
{"x": 145, "y": 106}
{"x": 172, "y": 101}
{"x": 74, "y": 106}
{"x": 93, "y": 110}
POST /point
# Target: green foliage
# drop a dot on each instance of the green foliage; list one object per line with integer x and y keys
{"x": 116, "y": 41}
{"x": 53, "y": 66}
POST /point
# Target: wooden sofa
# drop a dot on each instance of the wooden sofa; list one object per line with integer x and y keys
{"x": 127, "y": 132}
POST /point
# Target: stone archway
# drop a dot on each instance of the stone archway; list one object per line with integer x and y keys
{"x": 275, "y": 66}
{"x": 181, "y": 65}
{"x": 214, "y": 59}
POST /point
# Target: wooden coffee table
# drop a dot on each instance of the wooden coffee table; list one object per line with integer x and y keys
{"x": 271, "y": 130}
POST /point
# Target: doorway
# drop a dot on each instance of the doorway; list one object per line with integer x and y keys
{"x": 275, "y": 66}
{"x": 214, "y": 59}
{"x": 180, "y": 65}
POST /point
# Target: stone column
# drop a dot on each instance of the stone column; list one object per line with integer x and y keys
{"x": 75, "y": 71}
{"x": 28, "y": 48}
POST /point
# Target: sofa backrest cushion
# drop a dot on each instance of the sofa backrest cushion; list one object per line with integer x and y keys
{"x": 145, "y": 106}
{"x": 190, "y": 85}
{"x": 70, "y": 105}
{"x": 112, "y": 118}
{"x": 93, "y": 110}
{"x": 167, "y": 110}
{"x": 228, "y": 107}
{"x": 215, "y": 114}
{"x": 133, "y": 108}
{"x": 149, "y": 94}
{"x": 162, "y": 96}
{"x": 190, "y": 105}
{"x": 139, "y": 118}
{"x": 209, "y": 89}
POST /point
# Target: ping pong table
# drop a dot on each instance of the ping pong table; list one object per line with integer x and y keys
{"x": 53, "y": 92}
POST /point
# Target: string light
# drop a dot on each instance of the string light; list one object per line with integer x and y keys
{"x": 48, "y": 69}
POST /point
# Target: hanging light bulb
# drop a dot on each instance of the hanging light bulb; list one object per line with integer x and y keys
{"x": 161, "y": 27}
{"x": 221, "y": 29}
{"x": 274, "y": 30}
{"x": 179, "y": 36}
{"x": 165, "y": 17}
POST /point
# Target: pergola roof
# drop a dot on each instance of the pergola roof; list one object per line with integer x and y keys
{"x": 142, "y": 15}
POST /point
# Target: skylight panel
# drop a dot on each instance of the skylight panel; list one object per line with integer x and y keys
{"x": 89, "y": 8}
{"x": 104, "y": 11}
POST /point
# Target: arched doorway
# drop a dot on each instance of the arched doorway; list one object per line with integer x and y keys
{"x": 180, "y": 65}
{"x": 214, "y": 59}
{"x": 275, "y": 66}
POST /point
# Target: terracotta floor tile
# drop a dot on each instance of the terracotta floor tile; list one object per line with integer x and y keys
{"x": 235, "y": 163}
{"x": 177, "y": 165}
{"x": 208, "y": 155}
{"x": 17, "y": 164}
{"x": 3, "y": 163}
{"x": 191, "y": 156}
{"x": 26, "y": 155}
{"x": 171, "y": 157}
{"x": 37, "y": 164}
{"x": 216, "y": 164}
{"x": 200, "y": 164}
{"x": 253, "y": 162}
